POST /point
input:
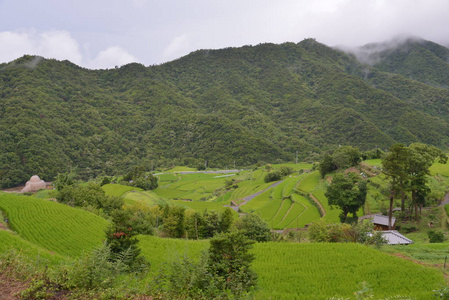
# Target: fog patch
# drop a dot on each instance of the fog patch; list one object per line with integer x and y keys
{"x": 372, "y": 53}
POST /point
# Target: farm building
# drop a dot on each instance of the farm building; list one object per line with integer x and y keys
{"x": 393, "y": 237}
{"x": 381, "y": 222}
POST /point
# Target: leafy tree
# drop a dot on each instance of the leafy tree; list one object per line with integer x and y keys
{"x": 121, "y": 239}
{"x": 230, "y": 263}
{"x": 226, "y": 220}
{"x": 64, "y": 179}
{"x": 395, "y": 167}
{"x": 347, "y": 193}
{"x": 148, "y": 182}
{"x": 346, "y": 156}
{"x": 273, "y": 176}
{"x": 89, "y": 195}
{"x": 327, "y": 165}
{"x": 254, "y": 227}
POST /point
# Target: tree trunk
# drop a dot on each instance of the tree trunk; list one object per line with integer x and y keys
{"x": 390, "y": 212}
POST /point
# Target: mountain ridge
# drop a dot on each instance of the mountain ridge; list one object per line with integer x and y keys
{"x": 245, "y": 105}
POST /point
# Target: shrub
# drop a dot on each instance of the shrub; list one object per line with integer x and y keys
{"x": 435, "y": 236}
{"x": 273, "y": 176}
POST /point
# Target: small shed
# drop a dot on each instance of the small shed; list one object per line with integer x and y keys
{"x": 381, "y": 222}
{"x": 393, "y": 237}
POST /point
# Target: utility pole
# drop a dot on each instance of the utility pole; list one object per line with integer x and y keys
{"x": 296, "y": 157}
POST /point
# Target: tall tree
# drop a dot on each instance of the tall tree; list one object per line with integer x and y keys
{"x": 348, "y": 193}
{"x": 395, "y": 167}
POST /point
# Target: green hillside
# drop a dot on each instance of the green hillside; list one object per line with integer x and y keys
{"x": 230, "y": 107}
{"x": 56, "y": 227}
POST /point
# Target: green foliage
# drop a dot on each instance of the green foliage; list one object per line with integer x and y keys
{"x": 122, "y": 242}
{"x": 435, "y": 236}
{"x": 223, "y": 272}
{"x": 63, "y": 179}
{"x": 230, "y": 262}
{"x": 273, "y": 176}
{"x": 146, "y": 183}
{"x": 324, "y": 232}
{"x": 254, "y": 227}
{"x": 348, "y": 193}
{"x": 89, "y": 195}
{"x": 203, "y": 107}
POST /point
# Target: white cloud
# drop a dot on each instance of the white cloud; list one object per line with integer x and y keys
{"x": 111, "y": 57}
{"x": 60, "y": 45}
{"x": 178, "y": 46}
{"x": 13, "y": 43}
{"x": 50, "y": 44}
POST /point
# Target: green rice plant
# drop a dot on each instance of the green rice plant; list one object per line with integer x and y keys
{"x": 442, "y": 169}
{"x": 269, "y": 210}
{"x": 169, "y": 193}
{"x": 53, "y": 226}
{"x": 332, "y": 214}
{"x": 299, "y": 271}
{"x": 309, "y": 215}
{"x": 290, "y": 184}
{"x": 314, "y": 270}
{"x": 147, "y": 197}
{"x": 258, "y": 201}
{"x": 161, "y": 250}
{"x": 11, "y": 241}
{"x": 277, "y": 191}
{"x": 280, "y": 214}
{"x": 295, "y": 167}
{"x": 224, "y": 198}
{"x": 45, "y": 194}
{"x": 118, "y": 190}
{"x": 181, "y": 169}
{"x": 166, "y": 177}
{"x": 201, "y": 206}
{"x": 374, "y": 162}
{"x": 309, "y": 182}
{"x": 294, "y": 214}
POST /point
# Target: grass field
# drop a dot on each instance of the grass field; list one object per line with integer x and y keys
{"x": 315, "y": 271}
{"x": 53, "y": 226}
{"x": 118, "y": 190}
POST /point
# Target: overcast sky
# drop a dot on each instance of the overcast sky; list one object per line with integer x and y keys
{"x": 108, "y": 33}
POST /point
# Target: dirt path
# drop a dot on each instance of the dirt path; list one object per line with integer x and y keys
{"x": 319, "y": 204}
{"x": 445, "y": 201}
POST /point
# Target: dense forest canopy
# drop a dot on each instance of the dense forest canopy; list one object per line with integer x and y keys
{"x": 231, "y": 106}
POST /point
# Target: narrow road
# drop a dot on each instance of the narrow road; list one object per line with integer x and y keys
{"x": 252, "y": 196}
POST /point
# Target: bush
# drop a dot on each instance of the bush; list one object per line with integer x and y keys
{"x": 273, "y": 176}
{"x": 435, "y": 236}
{"x": 407, "y": 227}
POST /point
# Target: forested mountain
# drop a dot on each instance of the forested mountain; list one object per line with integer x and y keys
{"x": 244, "y": 105}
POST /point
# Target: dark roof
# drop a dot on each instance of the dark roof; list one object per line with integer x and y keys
{"x": 383, "y": 220}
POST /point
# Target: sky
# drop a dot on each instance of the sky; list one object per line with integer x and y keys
{"x": 100, "y": 34}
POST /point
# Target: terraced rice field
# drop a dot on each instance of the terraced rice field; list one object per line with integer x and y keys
{"x": 10, "y": 241}
{"x": 282, "y": 208}
{"x": 118, "y": 190}
{"x": 53, "y": 226}
{"x": 315, "y": 271}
